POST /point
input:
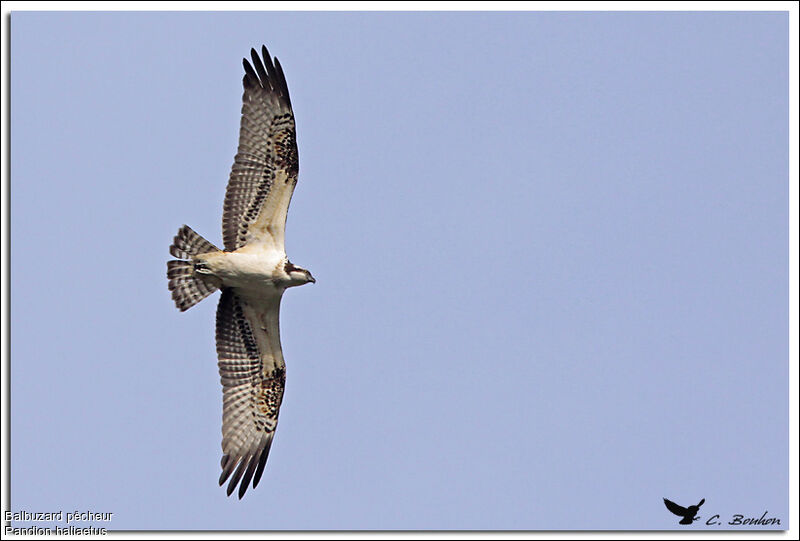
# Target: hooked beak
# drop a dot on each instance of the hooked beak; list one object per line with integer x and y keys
{"x": 312, "y": 280}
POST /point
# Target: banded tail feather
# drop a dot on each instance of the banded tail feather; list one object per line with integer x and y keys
{"x": 187, "y": 287}
{"x": 188, "y": 243}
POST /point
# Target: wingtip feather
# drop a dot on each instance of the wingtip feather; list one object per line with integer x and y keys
{"x": 236, "y": 476}
{"x": 266, "y": 72}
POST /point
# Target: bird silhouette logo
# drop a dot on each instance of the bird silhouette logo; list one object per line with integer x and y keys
{"x": 687, "y": 513}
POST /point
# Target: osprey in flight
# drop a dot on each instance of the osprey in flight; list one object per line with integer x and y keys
{"x": 252, "y": 272}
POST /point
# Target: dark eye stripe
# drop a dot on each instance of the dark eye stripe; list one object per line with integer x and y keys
{"x": 288, "y": 267}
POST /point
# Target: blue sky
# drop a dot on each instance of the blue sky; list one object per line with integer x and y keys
{"x": 551, "y": 253}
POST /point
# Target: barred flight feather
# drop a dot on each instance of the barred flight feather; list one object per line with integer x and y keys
{"x": 252, "y": 386}
{"x": 264, "y": 171}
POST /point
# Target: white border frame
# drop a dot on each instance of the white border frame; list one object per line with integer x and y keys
{"x": 794, "y": 192}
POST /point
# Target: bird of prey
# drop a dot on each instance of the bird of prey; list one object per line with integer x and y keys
{"x": 688, "y": 513}
{"x": 252, "y": 272}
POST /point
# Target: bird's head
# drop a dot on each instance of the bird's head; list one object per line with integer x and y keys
{"x": 297, "y": 275}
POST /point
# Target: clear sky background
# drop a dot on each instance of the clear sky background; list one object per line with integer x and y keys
{"x": 551, "y": 253}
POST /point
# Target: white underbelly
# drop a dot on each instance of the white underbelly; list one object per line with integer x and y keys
{"x": 252, "y": 271}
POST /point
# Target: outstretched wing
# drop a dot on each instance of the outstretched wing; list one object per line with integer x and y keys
{"x": 265, "y": 168}
{"x": 253, "y": 375}
{"x": 675, "y": 508}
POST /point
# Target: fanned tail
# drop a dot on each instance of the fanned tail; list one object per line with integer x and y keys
{"x": 187, "y": 287}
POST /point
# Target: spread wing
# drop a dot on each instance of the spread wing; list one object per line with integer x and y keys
{"x": 265, "y": 168}
{"x": 675, "y": 508}
{"x": 253, "y": 375}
